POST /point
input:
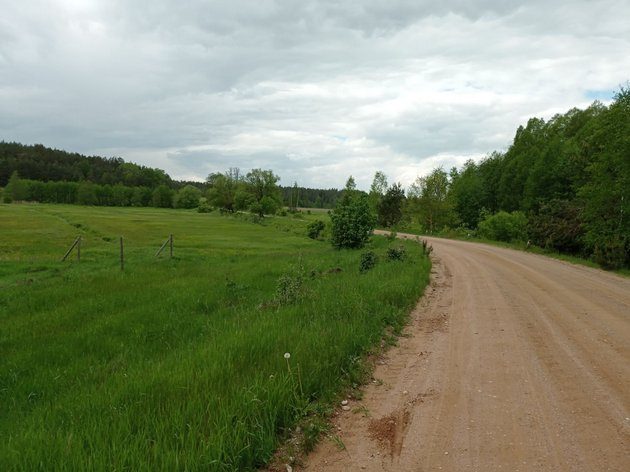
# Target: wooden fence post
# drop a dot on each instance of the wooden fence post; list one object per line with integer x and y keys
{"x": 76, "y": 241}
{"x": 171, "y": 244}
{"x": 79, "y": 250}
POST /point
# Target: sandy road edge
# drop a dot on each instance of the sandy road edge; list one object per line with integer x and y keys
{"x": 286, "y": 458}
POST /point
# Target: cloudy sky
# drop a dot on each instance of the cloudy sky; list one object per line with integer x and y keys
{"x": 314, "y": 89}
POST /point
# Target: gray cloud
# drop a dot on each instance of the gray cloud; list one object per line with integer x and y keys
{"x": 316, "y": 90}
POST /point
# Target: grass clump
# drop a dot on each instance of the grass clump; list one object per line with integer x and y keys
{"x": 397, "y": 253}
{"x": 368, "y": 261}
{"x": 315, "y": 228}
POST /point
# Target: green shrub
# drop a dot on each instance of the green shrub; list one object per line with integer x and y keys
{"x": 504, "y": 226}
{"x": 368, "y": 261}
{"x": 204, "y": 206}
{"x": 611, "y": 253}
{"x": 289, "y": 287}
{"x": 315, "y": 228}
{"x": 558, "y": 226}
{"x": 187, "y": 197}
{"x": 352, "y": 222}
{"x": 396, "y": 253}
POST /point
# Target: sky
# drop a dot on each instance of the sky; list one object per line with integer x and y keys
{"x": 316, "y": 90}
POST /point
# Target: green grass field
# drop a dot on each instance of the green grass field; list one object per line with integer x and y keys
{"x": 178, "y": 364}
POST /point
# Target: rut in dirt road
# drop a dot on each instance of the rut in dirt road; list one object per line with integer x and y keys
{"x": 512, "y": 362}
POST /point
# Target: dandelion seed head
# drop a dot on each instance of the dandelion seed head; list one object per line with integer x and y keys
{"x": 287, "y": 355}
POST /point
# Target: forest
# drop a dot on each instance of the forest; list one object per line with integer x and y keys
{"x": 563, "y": 185}
{"x": 55, "y": 176}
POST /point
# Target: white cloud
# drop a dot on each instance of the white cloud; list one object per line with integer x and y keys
{"x": 316, "y": 90}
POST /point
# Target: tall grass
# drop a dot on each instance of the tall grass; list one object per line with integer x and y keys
{"x": 177, "y": 364}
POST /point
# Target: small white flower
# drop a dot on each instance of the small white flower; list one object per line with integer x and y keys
{"x": 287, "y": 355}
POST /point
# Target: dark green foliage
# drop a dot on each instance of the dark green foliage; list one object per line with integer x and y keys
{"x": 389, "y": 207}
{"x": 504, "y": 226}
{"x": 15, "y": 190}
{"x": 309, "y": 197}
{"x": 429, "y": 202}
{"x": 264, "y": 191}
{"x": 570, "y": 175}
{"x": 163, "y": 197}
{"x": 607, "y": 192}
{"x": 86, "y": 194}
{"x": 223, "y": 188}
{"x": 187, "y": 197}
{"x": 314, "y": 229}
{"x": 557, "y": 226}
{"x": 352, "y": 221}
{"x": 396, "y": 253}
{"x": 204, "y": 206}
{"x": 44, "y": 164}
{"x": 368, "y": 261}
{"x": 467, "y": 193}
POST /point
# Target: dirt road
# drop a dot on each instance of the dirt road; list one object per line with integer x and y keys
{"x": 514, "y": 362}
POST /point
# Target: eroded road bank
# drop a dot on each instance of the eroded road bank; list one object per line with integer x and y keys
{"x": 512, "y": 361}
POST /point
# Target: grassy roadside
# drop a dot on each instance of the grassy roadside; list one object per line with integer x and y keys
{"x": 179, "y": 364}
{"x": 520, "y": 246}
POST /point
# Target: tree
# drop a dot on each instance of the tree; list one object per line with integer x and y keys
{"x": 504, "y": 226}
{"x": 558, "y": 225}
{"x": 352, "y": 220}
{"x": 294, "y": 201}
{"x": 377, "y": 189}
{"x": 389, "y": 208}
{"x": 162, "y": 197}
{"x": 221, "y": 192}
{"x": 187, "y": 197}
{"x": 467, "y": 193}
{"x": 16, "y": 189}
{"x": 86, "y": 193}
{"x": 223, "y": 189}
{"x": 429, "y": 201}
{"x": 607, "y": 193}
{"x": 262, "y": 186}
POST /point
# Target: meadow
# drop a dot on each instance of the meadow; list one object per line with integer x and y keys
{"x": 179, "y": 364}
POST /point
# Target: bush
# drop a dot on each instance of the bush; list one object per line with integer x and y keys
{"x": 162, "y": 197}
{"x": 204, "y": 206}
{"x": 368, "y": 261}
{"x": 289, "y": 287}
{"x": 504, "y": 226}
{"x": 5, "y": 196}
{"x": 396, "y": 253}
{"x": 558, "y": 226}
{"x": 352, "y": 222}
{"x": 187, "y": 197}
{"x": 611, "y": 253}
{"x": 315, "y": 228}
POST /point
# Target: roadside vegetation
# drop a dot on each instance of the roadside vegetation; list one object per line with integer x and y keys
{"x": 563, "y": 186}
{"x": 206, "y": 361}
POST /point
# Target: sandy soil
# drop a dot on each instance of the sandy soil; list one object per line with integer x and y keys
{"x": 513, "y": 362}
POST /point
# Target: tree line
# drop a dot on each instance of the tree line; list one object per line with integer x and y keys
{"x": 94, "y": 180}
{"x": 563, "y": 184}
